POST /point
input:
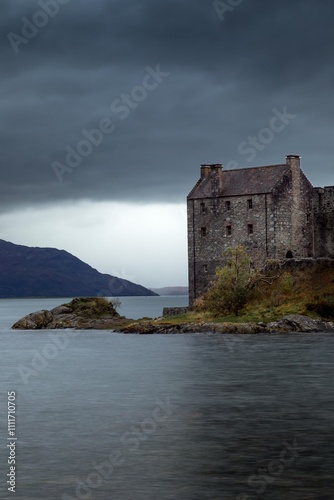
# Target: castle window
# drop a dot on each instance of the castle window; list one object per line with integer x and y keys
{"x": 308, "y": 217}
{"x": 250, "y": 203}
{"x": 203, "y": 208}
{"x": 228, "y": 205}
{"x": 205, "y": 268}
{"x": 213, "y": 208}
{"x": 250, "y": 229}
{"x": 228, "y": 230}
{"x": 203, "y": 231}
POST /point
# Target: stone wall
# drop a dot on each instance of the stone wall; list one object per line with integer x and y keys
{"x": 293, "y": 220}
{"x": 265, "y": 224}
{"x": 173, "y": 311}
{"x": 216, "y": 224}
{"x": 323, "y": 203}
{"x": 310, "y": 263}
{"x": 302, "y": 217}
{"x": 291, "y": 211}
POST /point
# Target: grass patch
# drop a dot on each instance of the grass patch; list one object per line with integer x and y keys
{"x": 93, "y": 307}
{"x": 308, "y": 291}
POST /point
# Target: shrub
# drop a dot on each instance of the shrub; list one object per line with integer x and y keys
{"x": 240, "y": 281}
{"x": 93, "y": 307}
{"x": 233, "y": 284}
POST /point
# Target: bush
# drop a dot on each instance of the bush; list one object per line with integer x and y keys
{"x": 233, "y": 284}
{"x": 93, "y": 307}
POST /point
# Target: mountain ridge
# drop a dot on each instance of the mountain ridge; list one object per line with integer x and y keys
{"x": 50, "y": 272}
{"x": 171, "y": 290}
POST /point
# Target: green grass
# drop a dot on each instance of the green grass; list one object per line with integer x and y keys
{"x": 93, "y": 307}
{"x": 296, "y": 292}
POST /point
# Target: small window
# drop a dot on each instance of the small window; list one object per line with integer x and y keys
{"x": 250, "y": 229}
{"x": 308, "y": 217}
{"x": 228, "y": 205}
{"x": 250, "y": 204}
{"x": 203, "y": 208}
{"x": 205, "y": 268}
{"x": 228, "y": 230}
{"x": 203, "y": 231}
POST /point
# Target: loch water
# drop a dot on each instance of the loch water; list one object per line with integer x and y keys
{"x": 103, "y": 415}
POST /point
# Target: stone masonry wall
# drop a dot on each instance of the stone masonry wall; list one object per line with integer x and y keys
{"x": 323, "y": 209}
{"x": 302, "y": 217}
{"x": 291, "y": 210}
{"x": 173, "y": 311}
{"x": 216, "y": 224}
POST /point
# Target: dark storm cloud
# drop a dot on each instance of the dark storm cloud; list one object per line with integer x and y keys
{"x": 226, "y": 77}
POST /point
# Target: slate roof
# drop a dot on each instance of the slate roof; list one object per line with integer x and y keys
{"x": 243, "y": 181}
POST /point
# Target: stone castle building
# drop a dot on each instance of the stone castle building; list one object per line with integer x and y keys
{"x": 273, "y": 211}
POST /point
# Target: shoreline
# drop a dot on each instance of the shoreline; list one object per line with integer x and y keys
{"x": 57, "y": 319}
{"x": 287, "y": 324}
{"x": 92, "y": 313}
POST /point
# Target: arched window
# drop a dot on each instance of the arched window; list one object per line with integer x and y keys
{"x": 289, "y": 254}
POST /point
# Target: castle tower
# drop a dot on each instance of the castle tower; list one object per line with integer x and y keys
{"x": 267, "y": 209}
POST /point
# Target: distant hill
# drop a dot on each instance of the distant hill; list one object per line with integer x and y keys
{"x": 48, "y": 272}
{"x": 171, "y": 290}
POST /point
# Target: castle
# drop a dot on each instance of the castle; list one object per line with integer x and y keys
{"x": 273, "y": 211}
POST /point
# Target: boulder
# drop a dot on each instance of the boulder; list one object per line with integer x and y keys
{"x": 34, "y": 321}
{"x": 61, "y": 310}
{"x": 300, "y": 323}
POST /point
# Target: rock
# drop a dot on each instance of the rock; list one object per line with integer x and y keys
{"x": 82, "y": 313}
{"x": 300, "y": 323}
{"x": 63, "y": 321}
{"x": 62, "y": 310}
{"x": 99, "y": 314}
{"x": 293, "y": 322}
{"x": 34, "y": 321}
{"x": 143, "y": 327}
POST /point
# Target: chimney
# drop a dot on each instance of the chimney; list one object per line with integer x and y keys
{"x": 215, "y": 171}
{"x": 293, "y": 161}
{"x": 205, "y": 170}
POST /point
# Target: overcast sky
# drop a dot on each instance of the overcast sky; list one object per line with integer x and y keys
{"x": 164, "y": 86}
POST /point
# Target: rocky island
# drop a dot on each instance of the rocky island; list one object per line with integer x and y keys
{"x": 83, "y": 313}
{"x": 96, "y": 313}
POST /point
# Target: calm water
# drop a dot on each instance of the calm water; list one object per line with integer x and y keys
{"x": 102, "y": 415}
